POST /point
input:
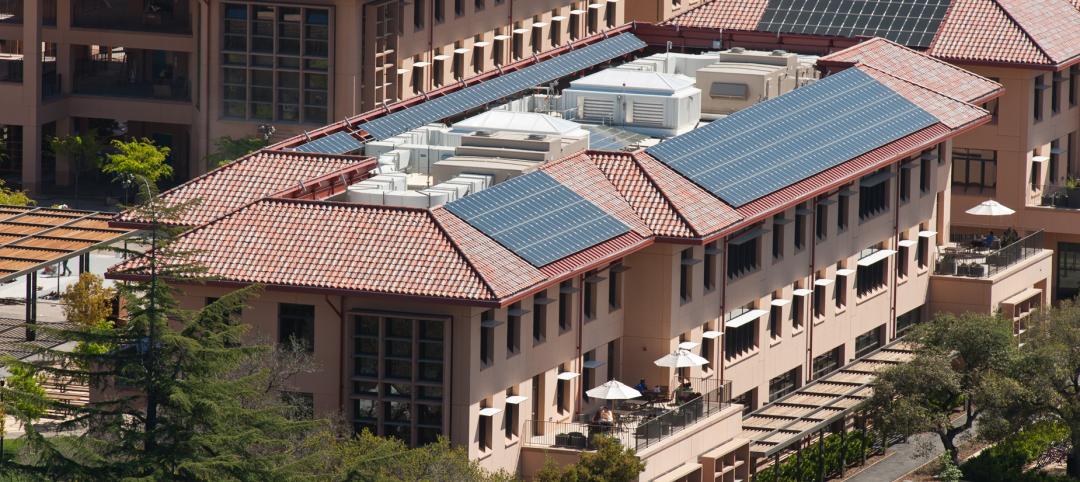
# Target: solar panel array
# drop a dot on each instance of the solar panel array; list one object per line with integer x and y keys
{"x": 336, "y": 143}
{"x": 502, "y": 86}
{"x": 777, "y": 143}
{"x": 537, "y": 218}
{"x": 607, "y": 138}
{"x": 907, "y": 22}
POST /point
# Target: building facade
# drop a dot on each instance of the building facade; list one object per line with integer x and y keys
{"x": 185, "y": 73}
{"x": 433, "y": 322}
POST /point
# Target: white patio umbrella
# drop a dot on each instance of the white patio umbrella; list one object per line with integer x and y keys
{"x": 990, "y": 207}
{"x": 613, "y": 390}
{"x": 681, "y": 359}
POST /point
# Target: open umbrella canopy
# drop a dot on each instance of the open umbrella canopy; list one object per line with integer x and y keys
{"x": 613, "y": 390}
{"x": 990, "y": 207}
{"x": 681, "y": 359}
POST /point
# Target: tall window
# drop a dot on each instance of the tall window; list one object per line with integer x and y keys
{"x": 743, "y": 255}
{"x": 741, "y": 339}
{"x": 686, "y": 272}
{"x": 905, "y": 180}
{"x": 798, "y": 310}
{"x": 1055, "y": 156}
{"x": 840, "y": 292}
{"x": 487, "y": 338}
{"x": 540, "y": 302}
{"x": 871, "y": 277}
{"x": 819, "y": 301}
{"x": 439, "y": 10}
{"x": 510, "y": 417}
{"x": 907, "y": 320}
{"x": 778, "y": 237}
{"x": 400, "y": 392}
{"x": 776, "y": 314}
{"x": 874, "y": 194}
{"x": 418, "y": 13}
{"x": 296, "y": 324}
{"x": 902, "y": 261}
{"x": 784, "y": 384}
{"x": 1055, "y": 92}
{"x": 924, "y": 173}
{"x": 588, "y": 373}
{"x": 707, "y": 344}
{"x": 484, "y": 426}
{"x": 800, "y": 227}
{"x": 710, "y": 266}
{"x": 562, "y": 393}
{"x": 922, "y": 252}
{"x": 974, "y": 169}
{"x": 591, "y": 280}
{"x": 842, "y": 211}
{"x": 459, "y": 7}
{"x": 1040, "y": 86}
{"x": 614, "y": 295}
{"x": 566, "y": 304}
{"x": 822, "y": 219}
{"x": 275, "y": 63}
{"x": 1074, "y": 85}
{"x": 513, "y": 328}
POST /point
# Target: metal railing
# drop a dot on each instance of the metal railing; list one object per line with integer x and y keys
{"x": 982, "y": 264}
{"x": 136, "y": 15}
{"x": 649, "y": 431}
{"x": 1060, "y": 196}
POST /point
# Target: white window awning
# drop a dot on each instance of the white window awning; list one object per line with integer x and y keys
{"x": 827, "y": 201}
{"x": 490, "y": 323}
{"x": 711, "y": 335}
{"x": 593, "y": 279}
{"x": 802, "y": 292}
{"x": 521, "y": 31}
{"x": 780, "y": 220}
{"x": 462, "y": 51}
{"x": 803, "y": 211}
{"x": 927, "y": 234}
{"x": 1040, "y": 159}
{"x": 780, "y": 302}
{"x": 744, "y": 318}
{"x": 516, "y": 399}
{"x": 907, "y": 243}
{"x": 876, "y": 256}
{"x": 688, "y": 345}
{"x": 490, "y": 411}
{"x": 875, "y": 179}
{"x": 823, "y": 282}
{"x": 516, "y": 312}
{"x": 567, "y": 375}
{"x": 749, "y": 235}
{"x": 845, "y": 272}
{"x": 593, "y": 363}
{"x": 538, "y": 24}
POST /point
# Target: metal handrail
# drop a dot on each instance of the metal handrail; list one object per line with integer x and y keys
{"x": 992, "y": 262}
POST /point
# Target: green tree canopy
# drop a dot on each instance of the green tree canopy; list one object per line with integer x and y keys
{"x": 229, "y": 149}
{"x": 960, "y": 362}
{"x": 610, "y": 461}
{"x": 83, "y": 150}
{"x": 14, "y": 197}
{"x": 138, "y": 158}
{"x": 1049, "y": 369}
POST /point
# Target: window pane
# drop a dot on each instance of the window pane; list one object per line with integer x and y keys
{"x": 364, "y": 409}
{"x": 398, "y": 369}
{"x": 398, "y": 328}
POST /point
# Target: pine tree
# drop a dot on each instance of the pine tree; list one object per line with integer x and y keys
{"x": 177, "y": 402}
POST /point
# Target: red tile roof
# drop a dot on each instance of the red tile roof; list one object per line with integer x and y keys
{"x": 584, "y": 178}
{"x": 725, "y": 14}
{"x": 951, "y": 112}
{"x": 916, "y": 67}
{"x": 257, "y": 175}
{"x": 1041, "y": 32}
{"x": 314, "y": 244}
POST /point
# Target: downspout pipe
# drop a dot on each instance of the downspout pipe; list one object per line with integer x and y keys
{"x": 890, "y": 329}
{"x": 808, "y": 308}
{"x": 581, "y": 328}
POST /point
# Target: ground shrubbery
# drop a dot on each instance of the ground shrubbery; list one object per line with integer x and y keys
{"x": 1007, "y": 460}
{"x": 811, "y": 458}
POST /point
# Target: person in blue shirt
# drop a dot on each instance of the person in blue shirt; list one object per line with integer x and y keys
{"x": 989, "y": 241}
{"x": 641, "y": 386}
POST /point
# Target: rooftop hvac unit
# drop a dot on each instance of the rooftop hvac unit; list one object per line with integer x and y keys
{"x": 398, "y": 180}
{"x": 455, "y": 191}
{"x": 475, "y": 185}
{"x": 436, "y": 197}
{"x": 408, "y": 199}
{"x": 364, "y": 194}
{"x": 486, "y": 179}
{"x": 384, "y": 184}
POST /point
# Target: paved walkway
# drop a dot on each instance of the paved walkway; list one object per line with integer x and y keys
{"x": 904, "y": 458}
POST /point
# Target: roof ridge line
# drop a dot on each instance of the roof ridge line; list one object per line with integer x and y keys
{"x": 1023, "y": 30}
{"x": 910, "y": 82}
{"x": 936, "y": 60}
{"x": 671, "y": 20}
{"x": 937, "y": 33}
{"x": 663, "y": 195}
{"x": 461, "y": 252}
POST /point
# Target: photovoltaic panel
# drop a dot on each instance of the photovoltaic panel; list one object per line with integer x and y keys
{"x": 774, "y": 144}
{"x": 336, "y": 143}
{"x": 502, "y": 86}
{"x": 537, "y": 218}
{"x": 906, "y": 22}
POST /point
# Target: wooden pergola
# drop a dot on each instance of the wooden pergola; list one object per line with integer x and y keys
{"x": 32, "y": 238}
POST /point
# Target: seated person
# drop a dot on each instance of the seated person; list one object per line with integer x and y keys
{"x": 989, "y": 240}
{"x": 641, "y": 386}
{"x": 685, "y": 385}
{"x": 607, "y": 417}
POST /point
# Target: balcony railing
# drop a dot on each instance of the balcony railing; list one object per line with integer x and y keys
{"x": 1061, "y": 197}
{"x": 982, "y": 263}
{"x": 635, "y": 430}
{"x": 173, "y": 16}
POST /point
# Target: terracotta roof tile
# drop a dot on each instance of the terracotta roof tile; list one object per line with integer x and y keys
{"x": 257, "y": 175}
{"x": 313, "y": 244}
{"x": 1009, "y": 31}
{"x": 706, "y": 213}
{"x": 504, "y": 272}
{"x": 951, "y": 112}
{"x": 611, "y": 249}
{"x": 916, "y": 67}
{"x": 579, "y": 174}
{"x": 725, "y": 14}
{"x": 638, "y": 190}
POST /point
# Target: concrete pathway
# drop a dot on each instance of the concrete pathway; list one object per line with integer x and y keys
{"x": 904, "y": 458}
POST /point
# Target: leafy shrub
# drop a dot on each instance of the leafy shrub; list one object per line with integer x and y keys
{"x": 1005, "y": 462}
{"x": 789, "y": 468}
